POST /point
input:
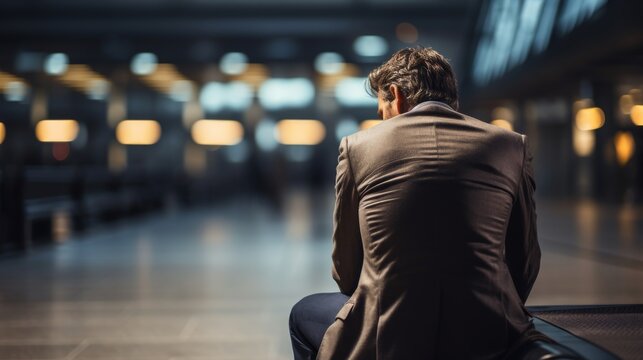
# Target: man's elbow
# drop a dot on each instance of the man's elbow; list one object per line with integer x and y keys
{"x": 345, "y": 287}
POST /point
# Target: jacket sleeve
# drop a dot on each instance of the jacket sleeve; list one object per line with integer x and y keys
{"x": 347, "y": 241}
{"x": 522, "y": 252}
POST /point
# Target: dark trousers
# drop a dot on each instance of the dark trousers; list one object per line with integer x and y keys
{"x": 309, "y": 319}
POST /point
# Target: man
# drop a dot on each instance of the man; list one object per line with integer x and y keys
{"x": 435, "y": 246}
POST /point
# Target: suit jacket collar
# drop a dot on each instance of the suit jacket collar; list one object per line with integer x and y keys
{"x": 435, "y": 108}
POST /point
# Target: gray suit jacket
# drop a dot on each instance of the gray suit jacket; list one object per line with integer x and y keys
{"x": 434, "y": 239}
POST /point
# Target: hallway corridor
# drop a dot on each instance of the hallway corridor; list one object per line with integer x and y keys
{"x": 219, "y": 283}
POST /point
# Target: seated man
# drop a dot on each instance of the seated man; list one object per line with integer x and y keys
{"x": 435, "y": 246}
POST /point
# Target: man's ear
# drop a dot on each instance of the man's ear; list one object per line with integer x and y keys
{"x": 399, "y": 102}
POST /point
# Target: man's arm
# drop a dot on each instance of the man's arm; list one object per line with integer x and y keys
{"x": 347, "y": 241}
{"x": 522, "y": 252}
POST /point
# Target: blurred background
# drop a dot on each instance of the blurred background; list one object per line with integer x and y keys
{"x": 167, "y": 166}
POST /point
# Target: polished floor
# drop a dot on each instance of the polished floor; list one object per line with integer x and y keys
{"x": 218, "y": 283}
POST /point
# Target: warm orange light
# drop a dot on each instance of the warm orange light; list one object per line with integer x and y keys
{"x": 624, "y": 144}
{"x": 590, "y": 118}
{"x": 503, "y": 112}
{"x": 164, "y": 78}
{"x": 138, "y": 132}
{"x": 327, "y": 82}
{"x": 625, "y": 103}
{"x": 116, "y": 158}
{"x": 82, "y": 78}
{"x": 61, "y": 225}
{"x": 6, "y": 79}
{"x": 57, "y": 130}
{"x": 503, "y": 124}
{"x": 78, "y": 73}
{"x": 254, "y": 75}
{"x": 217, "y": 132}
{"x": 3, "y": 132}
{"x": 584, "y": 141}
{"x": 300, "y": 132}
{"x": 367, "y": 124}
{"x": 406, "y": 32}
{"x": 637, "y": 115}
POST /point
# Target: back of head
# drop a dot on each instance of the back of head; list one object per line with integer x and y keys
{"x": 422, "y": 74}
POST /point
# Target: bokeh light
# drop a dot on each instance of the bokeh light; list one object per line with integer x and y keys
{"x": 138, "y": 132}
{"x": 300, "y": 132}
{"x": 63, "y": 130}
{"x": 217, "y": 132}
{"x": 144, "y": 63}
{"x": 370, "y": 46}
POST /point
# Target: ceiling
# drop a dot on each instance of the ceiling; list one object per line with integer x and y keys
{"x": 197, "y": 31}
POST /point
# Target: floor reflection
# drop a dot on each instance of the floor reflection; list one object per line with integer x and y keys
{"x": 219, "y": 283}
